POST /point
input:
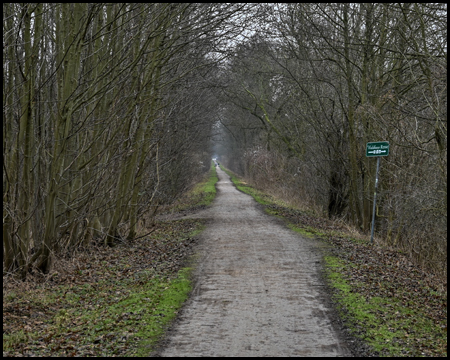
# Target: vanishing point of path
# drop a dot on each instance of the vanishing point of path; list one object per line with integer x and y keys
{"x": 258, "y": 289}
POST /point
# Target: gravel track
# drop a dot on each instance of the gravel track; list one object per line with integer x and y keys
{"x": 258, "y": 289}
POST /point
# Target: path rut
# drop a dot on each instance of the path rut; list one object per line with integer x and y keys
{"x": 258, "y": 290}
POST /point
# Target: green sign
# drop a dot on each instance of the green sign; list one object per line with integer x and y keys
{"x": 380, "y": 148}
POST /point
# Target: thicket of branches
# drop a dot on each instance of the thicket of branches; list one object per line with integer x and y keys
{"x": 304, "y": 96}
{"x": 105, "y": 117}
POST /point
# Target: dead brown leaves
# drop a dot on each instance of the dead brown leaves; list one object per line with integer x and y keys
{"x": 33, "y": 310}
{"x": 390, "y": 275}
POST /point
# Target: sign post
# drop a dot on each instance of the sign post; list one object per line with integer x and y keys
{"x": 377, "y": 149}
{"x": 380, "y": 148}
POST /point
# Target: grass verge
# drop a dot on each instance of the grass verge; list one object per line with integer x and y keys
{"x": 387, "y": 302}
{"x": 201, "y": 195}
{"x": 117, "y": 302}
{"x": 241, "y": 185}
{"x": 389, "y": 324}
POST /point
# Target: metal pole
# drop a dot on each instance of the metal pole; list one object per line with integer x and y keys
{"x": 375, "y": 199}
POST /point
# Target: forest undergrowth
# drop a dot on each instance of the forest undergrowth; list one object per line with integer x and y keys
{"x": 106, "y": 301}
{"x": 391, "y": 305}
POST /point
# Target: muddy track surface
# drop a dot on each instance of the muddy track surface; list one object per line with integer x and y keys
{"x": 258, "y": 290}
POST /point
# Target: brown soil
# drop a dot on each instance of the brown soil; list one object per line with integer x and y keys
{"x": 258, "y": 288}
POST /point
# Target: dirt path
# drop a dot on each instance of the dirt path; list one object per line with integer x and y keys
{"x": 258, "y": 290}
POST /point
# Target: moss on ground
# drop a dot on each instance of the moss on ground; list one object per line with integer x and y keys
{"x": 382, "y": 322}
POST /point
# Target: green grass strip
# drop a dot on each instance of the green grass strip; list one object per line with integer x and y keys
{"x": 391, "y": 332}
{"x": 258, "y": 195}
{"x": 202, "y": 194}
